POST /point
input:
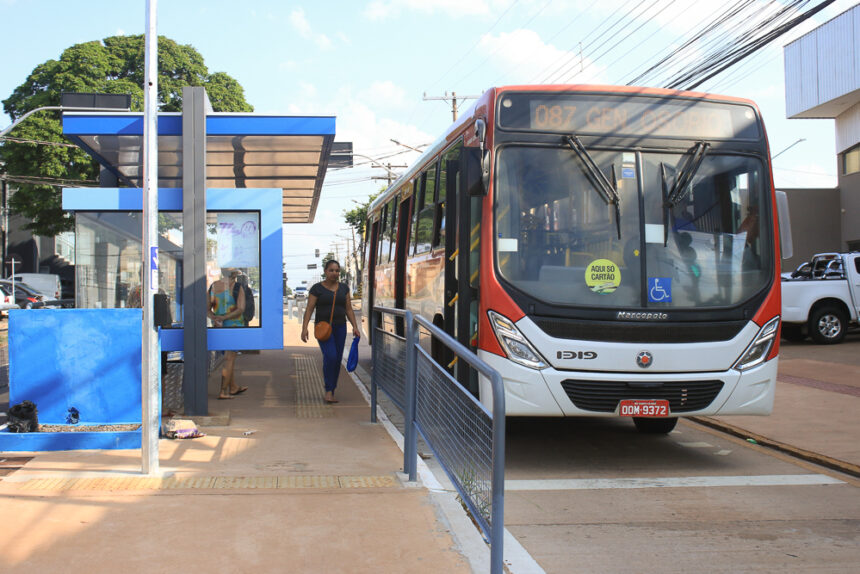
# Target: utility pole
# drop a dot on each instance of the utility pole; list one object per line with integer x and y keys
{"x": 4, "y": 205}
{"x": 391, "y": 176}
{"x": 453, "y": 97}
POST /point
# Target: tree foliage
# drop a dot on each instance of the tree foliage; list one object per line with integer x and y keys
{"x": 357, "y": 218}
{"x": 115, "y": 65}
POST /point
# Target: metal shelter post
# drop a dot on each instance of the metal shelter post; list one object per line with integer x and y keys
{"x": 195, "y": 104}
{"x": 149, "y": 335}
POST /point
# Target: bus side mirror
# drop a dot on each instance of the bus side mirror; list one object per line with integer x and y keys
{"x": 786, "y": 245}
{"x": 473, "y": 172}
{"x": 481, "y": 136}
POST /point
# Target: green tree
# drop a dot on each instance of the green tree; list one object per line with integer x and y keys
{"x": 114, "y": 65}
{"x": 357, "y": 218}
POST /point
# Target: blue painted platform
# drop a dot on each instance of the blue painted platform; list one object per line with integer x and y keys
{"x": 46, "y": 441}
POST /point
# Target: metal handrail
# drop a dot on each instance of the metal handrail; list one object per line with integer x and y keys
{"x": 497, "y": 413}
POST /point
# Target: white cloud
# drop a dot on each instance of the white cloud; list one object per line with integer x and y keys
{"x": 522, "y": 52}
{"x": 308, "y": 90}
{"x": 383, "y": 9}
{"x": 300, "y": 24}
{"x": 384, "y": 94}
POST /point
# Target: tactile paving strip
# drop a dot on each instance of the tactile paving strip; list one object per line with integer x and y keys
{"x": 310, "y": 389}
{"x": 207, "y": 483}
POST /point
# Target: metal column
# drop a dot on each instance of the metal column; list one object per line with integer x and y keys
{"x": 195, "y": 105}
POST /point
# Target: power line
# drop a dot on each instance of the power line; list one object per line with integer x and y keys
{"x": 594, "y": 30}
{"x": 666, "y": 5}
{"x": 629, "y": 16}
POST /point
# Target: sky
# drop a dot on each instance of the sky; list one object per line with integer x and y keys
{"x": 371, "y": 62}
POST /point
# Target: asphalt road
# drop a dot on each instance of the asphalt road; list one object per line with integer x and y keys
{"x": 594, "y": 495}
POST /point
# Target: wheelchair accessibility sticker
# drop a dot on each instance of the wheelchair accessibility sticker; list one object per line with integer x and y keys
{"x": 659, "y": 289}
{"x": 602, "y": 276}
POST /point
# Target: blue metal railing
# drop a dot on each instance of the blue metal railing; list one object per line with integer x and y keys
{"x": 466, "y": 437}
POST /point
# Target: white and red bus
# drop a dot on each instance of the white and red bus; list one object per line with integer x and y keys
{"x": 611, "y": 251}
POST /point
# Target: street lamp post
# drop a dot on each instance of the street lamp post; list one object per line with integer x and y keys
{"x": 773, "y": 157}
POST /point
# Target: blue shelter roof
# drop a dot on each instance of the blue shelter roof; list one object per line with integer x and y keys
{"x": 242, "y": 151}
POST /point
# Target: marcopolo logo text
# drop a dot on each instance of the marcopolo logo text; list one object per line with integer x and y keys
{"x": 641, "y": 316}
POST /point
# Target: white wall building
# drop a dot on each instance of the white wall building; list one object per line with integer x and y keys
{"x": 822, "y": 80}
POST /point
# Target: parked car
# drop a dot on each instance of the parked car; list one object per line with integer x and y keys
{"x": 301, "y": 293}
{"x": 46, "y": 284}
{"x": 821, "y": 298}
{"x": 6, "y": 303}
{"x": 25, "y": 296}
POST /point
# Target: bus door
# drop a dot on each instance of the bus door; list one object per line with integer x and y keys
{"x": 371, "y": 247}
{"x": 448, "y": 225}
{"x": 467, "y": 246}
{"x": 402, "y": 243}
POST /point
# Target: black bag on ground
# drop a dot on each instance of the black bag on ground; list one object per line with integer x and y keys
{"x": 23, "y": 417}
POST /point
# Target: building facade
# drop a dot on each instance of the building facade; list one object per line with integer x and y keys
{"x": 822, "y": 80}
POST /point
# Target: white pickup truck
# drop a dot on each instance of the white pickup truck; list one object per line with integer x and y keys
{"x": 821, "y": 298}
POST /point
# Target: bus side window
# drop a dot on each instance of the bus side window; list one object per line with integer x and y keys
{"x": 382, "y": 256}
{"x": 424, "y": 233}
{"x": 417, "y": 204}
{"x": 392, "y": 228}
{"x": 448, "y": 180}
{"x": 368, "y": 241}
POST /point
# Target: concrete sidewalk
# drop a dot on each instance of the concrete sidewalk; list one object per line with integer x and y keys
{"x": 816, "y": 406}
{"x": 291, "y": 485}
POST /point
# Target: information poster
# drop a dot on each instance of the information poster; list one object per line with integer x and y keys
{"x": 238, "y": 239}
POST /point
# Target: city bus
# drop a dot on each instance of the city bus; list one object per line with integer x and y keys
{"x": 610, "y": 251}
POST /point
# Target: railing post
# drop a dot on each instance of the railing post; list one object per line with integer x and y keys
{"x": 374, "y": 349}
{"x": 498, "y": 481}
{"x": 410, "y": 447}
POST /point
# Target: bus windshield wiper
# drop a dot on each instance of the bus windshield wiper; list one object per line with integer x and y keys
{"x": 685, "y": 173}
{"x": 606, "y": 189}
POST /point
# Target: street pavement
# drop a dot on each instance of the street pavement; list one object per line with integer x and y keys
{"x": 291, "y": 484}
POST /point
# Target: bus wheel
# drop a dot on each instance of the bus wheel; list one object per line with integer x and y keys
{"x": 655, "y": 426}
{"x": 793, "y": 332}
{"x": 827, "y": 325}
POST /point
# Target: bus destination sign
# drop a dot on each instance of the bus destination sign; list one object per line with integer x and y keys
{"x": 627, "y": 116}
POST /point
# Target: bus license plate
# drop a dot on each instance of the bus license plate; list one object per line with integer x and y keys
{"x": 643, "y": 408}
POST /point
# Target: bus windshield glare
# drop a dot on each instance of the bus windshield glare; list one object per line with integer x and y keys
{"x": 559, "y": 241}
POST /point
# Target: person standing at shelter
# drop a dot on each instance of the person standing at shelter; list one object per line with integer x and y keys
{"x": 332, "y": 302}
{"x": 226, "y": 311}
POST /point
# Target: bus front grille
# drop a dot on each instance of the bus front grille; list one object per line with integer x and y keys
{"x": 603, "y": 396}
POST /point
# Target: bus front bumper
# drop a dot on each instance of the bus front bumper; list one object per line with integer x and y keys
{"x": 529, "y": 392}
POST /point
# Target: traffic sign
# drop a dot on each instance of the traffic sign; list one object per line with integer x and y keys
{"x": 312, "y": 265}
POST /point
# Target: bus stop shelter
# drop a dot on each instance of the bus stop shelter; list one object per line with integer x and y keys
{"x": 227, "y": 184}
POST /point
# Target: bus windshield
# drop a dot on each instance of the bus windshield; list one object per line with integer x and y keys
{"x": 557, "y": 240}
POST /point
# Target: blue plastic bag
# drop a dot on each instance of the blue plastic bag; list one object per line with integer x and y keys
{"x": 352, "y": 360}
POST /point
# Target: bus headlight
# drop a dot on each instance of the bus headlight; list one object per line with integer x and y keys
{"x": 515, "y": 345}
{"x": 757, "y": 351}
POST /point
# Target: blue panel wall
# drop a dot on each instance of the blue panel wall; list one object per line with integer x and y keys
{"x": 89, "y": 359}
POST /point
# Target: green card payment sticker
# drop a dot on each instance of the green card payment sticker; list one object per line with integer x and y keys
{"x": 602, "y": 276}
